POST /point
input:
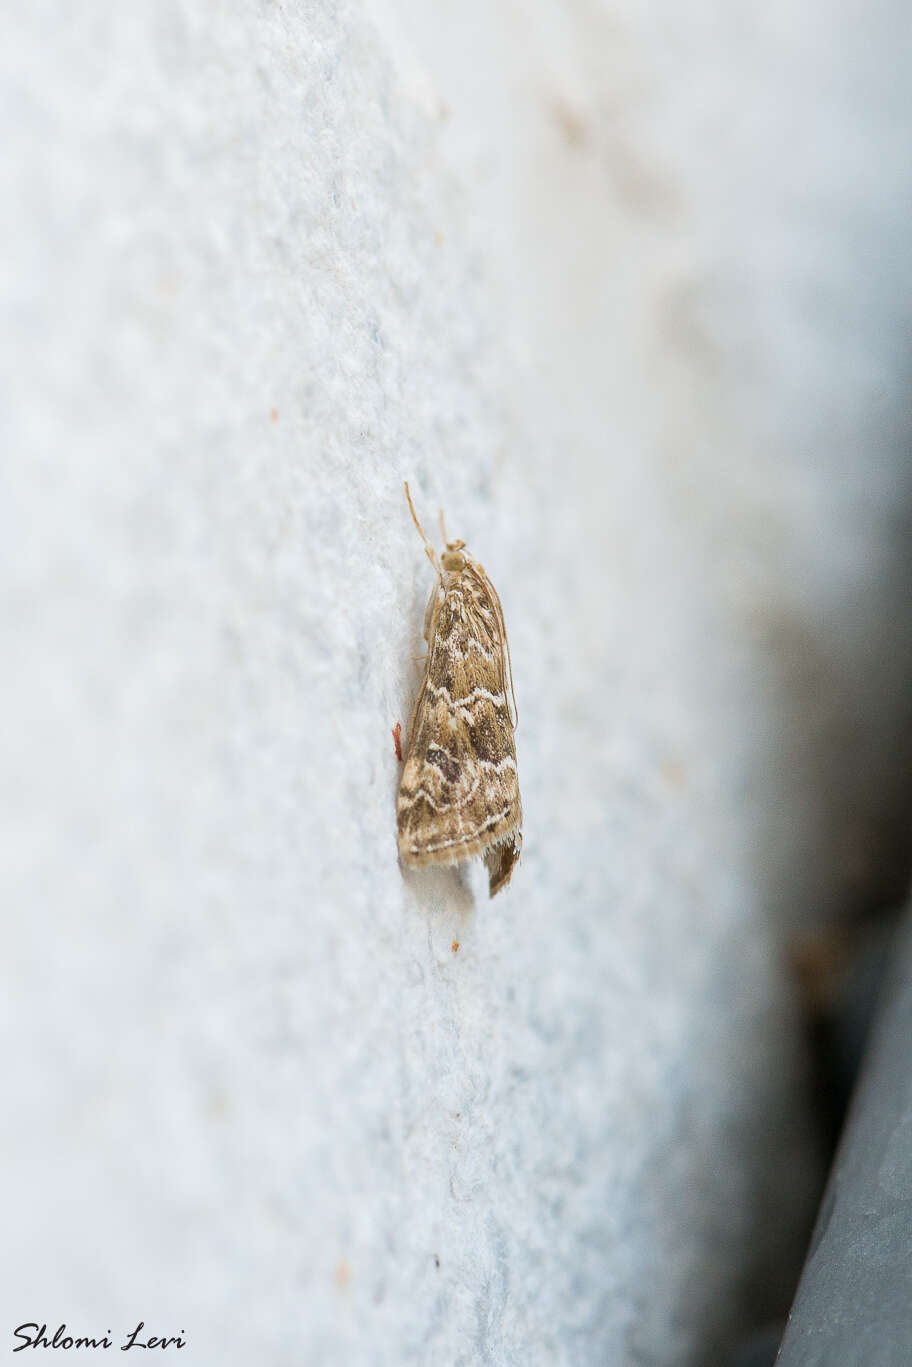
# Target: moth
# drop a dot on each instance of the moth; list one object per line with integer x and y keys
{"x": 459, "y": 793}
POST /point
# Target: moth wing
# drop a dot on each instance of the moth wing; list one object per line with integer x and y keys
{"x": 454, "y": 802}
{"x": 459, "y": 792}
{"x": 501, "y": 860}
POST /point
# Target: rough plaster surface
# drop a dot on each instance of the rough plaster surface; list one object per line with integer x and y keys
{"x": 626, "y": 292}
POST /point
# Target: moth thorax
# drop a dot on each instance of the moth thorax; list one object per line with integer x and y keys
{"x": 452, "y": 557}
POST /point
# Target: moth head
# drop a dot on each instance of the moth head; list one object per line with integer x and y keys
{"x": 452, "y": 557}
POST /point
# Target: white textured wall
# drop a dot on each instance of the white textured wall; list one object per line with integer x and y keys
{"x": 627, "y": 292}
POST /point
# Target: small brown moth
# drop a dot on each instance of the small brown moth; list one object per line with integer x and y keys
{"x": 459, "y": 794}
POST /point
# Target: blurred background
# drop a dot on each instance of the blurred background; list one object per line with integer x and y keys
{"x": 625, "y": 289}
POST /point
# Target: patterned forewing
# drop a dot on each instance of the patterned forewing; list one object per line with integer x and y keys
{"x": 459, "y": 791}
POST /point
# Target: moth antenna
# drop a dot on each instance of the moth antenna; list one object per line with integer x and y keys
{"x": 443, "y": 530}
{"x": 506, "y": 641}
{"x": 428, "y": 548}
{"x": 506, "y": 644}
